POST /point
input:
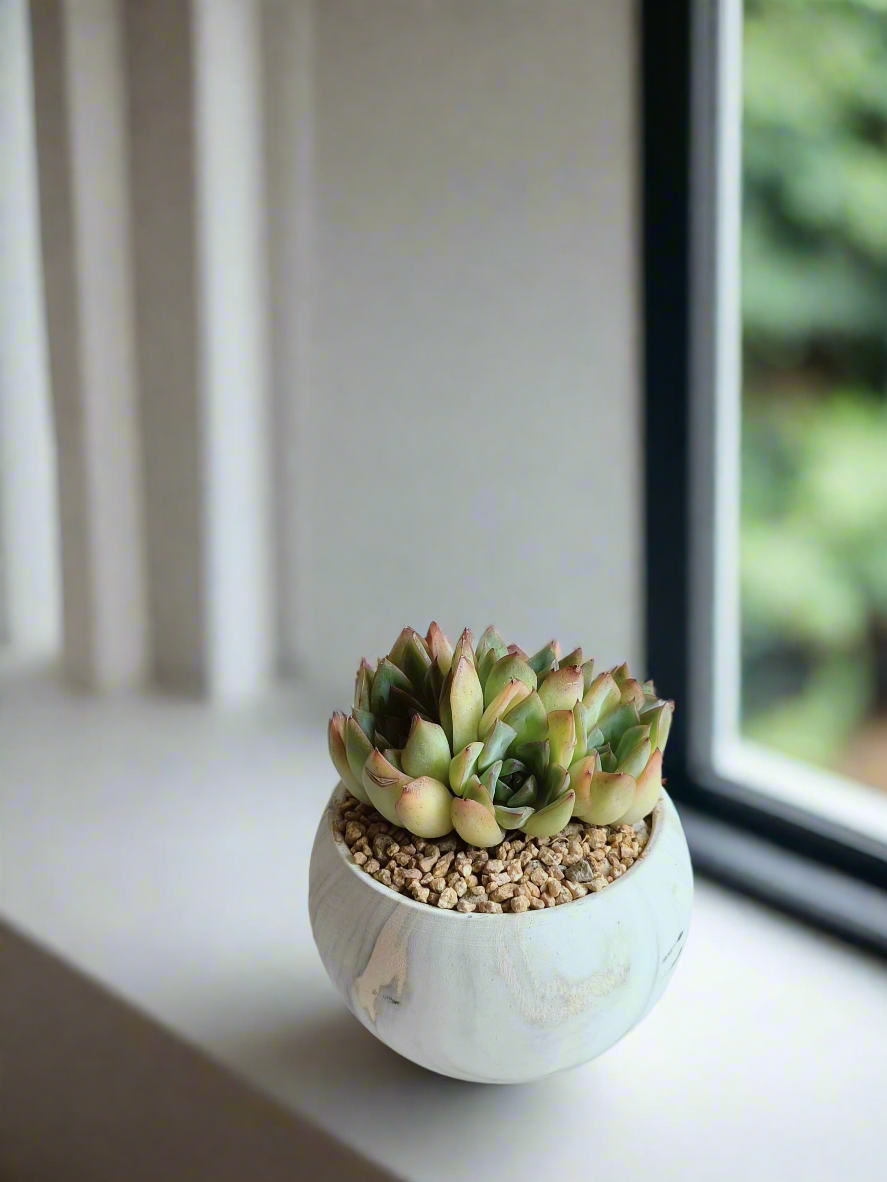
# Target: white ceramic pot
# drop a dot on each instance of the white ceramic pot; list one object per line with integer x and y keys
{"x": 503, "y": 998}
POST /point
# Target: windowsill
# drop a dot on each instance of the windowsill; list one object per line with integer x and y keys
{"x": 163, "y": 849}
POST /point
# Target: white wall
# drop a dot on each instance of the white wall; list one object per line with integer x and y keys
{"x": 470, "y": 447}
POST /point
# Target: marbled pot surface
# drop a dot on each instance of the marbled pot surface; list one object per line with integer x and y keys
{"x": 503, "y": 998}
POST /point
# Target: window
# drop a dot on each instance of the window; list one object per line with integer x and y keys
{"x": 765, "y": 177}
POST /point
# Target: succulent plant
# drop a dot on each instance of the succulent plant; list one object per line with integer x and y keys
{"x": 486, "y": 739}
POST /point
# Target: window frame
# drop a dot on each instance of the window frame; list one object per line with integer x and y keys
{"x": 804, "y": 863}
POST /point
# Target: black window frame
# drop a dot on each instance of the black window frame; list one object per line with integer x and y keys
{"x": 825, "y": 874}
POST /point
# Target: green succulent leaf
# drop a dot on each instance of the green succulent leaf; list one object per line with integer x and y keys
{"x": 366, "y": 721}
{"x": 416, "y": 660}
{"x": 338, "y": 754}
{"x": 601, "y": 698}
{"x": 614, "y": 726}
{"x": 512, "y": 692}
{"x": 525, "y": 795}
{"x": 536, "y": 756}
{"x": 363, "y": 685}
{"x": 357, "y": 748}
{"x": 587, "y": 675}
{"x": 388, "y": 675}
{"x": 466, "y": 704}
{"x": 511, "y": 667}
{"x": 496, "y": 744}
{"x": 607, "y": 758}
{"x": 528, "y": 719}
{"x": 551, "y": 819}
{"x": 427, "y": 751}
{"x": 630, "y": 740}
{"x": 383, "y": 783}
{"x": 440, "y": 648}
{"x": 659, "y": 718}
{"x": 580, "y": 724}
{"x": 545, "y": 660}
{"x": 562, "y": 689}
{"x": 647, "y": 792}
{"x": 463, "y": 766}
{"x": 573, "y": 658}
{"x": 423, "y": 807}
{"x": 556, "y": 781}
{"x": 636, "y": 760}
{"x": 490, "y": 778}
{"x": 474, "y": 823}
{"x": 562, "y": 736}
{"x": 512, "y": 818}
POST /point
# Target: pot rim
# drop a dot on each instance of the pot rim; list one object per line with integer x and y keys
{"x": 657, "y": 826}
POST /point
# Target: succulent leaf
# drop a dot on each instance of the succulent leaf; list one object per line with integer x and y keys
{"x": 556, "y": 781}
{"x": 366, "y": 721}
{"x": 357, "y": 748}
{"x": 387, "y": 675}
{"x": 463, "y": 766}
{"x": 363, "y": 684}
{"x": 526, "y": 794}
{"x": 580, "y": 723}
{"x": 513, "y": 691}
{"x": 562, "y": 736}
{"x": 398, "y": 648}
{"x": 632, "y": 692}
{"x": 630, "y": 740}
{"x": 607, "y": 758}
{"x": 440, "y": 648}
{"x": 479, "y": 793}
{"x": 474, "y": 823}
{"x": 546, "y": 658}
{"x": 536, "y": 756}
{"x": 527, "y": 719}
{"x": 659, "y": 718}
{"x": 636, "y": 760}
{"x": 423, "y": 807}
{"x": 601, "y": 797}
{"x": 490, "y": 642}
{"x": 550, "y": 820}
{"x": 562, "y": 689}
{"x": 383, "y": 784}
{"x": 464, "y": 648}
{"x": 602, "y": 697}
{"x": 427, "y": 751}
{"x": 647, "y": 792}
{"x": 336, "y": 740}
{"x": 416, "y": 660}
{"x": 496, "y": 744}
{"x": 490, "y": 778}
{"x": 587, "y": 675}
{"x": 614, "y": 726}
{"x": 466, "y": 704}
{"x": 620, "y": 673}
{"x": 573, "y": 658}
{"x": 511, "y": 667}
{"x": 512, "y": 818}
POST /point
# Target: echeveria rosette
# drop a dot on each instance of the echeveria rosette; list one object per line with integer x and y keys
{"x": 486, "y": 739}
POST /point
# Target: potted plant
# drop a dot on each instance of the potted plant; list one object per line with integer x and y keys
{"x": 499, "y": 886}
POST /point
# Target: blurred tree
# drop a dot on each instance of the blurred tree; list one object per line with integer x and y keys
{"x": 815, "y": 186}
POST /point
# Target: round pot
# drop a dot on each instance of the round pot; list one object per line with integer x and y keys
{"x": 502, "y": 998}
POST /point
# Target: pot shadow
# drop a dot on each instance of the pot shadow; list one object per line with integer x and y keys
{"x": 334, "y": 1068}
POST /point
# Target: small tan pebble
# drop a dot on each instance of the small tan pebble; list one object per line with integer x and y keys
{"x": 613, "y": 858}
{"x": 477, "y": 890}
{"x": 548, "y": 858}
{"x": 371, "y": 866}
{"x": 501, "y": 893}
{"x": 597, "y": 884}
{"x": 448, "y": 899}
{"x": 420, "y": 894}
{"x": 383, "y": 876}
{"x": 384, "y": 846}
{"x": 453, "y": 877}
{"x": 438, "y": 884}
{"x": 537, "y": 905}
{"x": 549, "y": 900}
{"x": 519, "y": 904}
{"x": 533, "y": 850}
{"x": 539, "y": 877}
{"x": 618, "y": 871}
{"x": 426, "y": 877}
{"x": 494, "y": 865}
{"x": 569, "y": 859}
{"x": 577, "y": 889}
{"x": 397, "y": 878}
{"x": 411, "y": 874}
{"x": 351, "y": 814}
{"x": 353, "y": 833}
{"x": 581, "y": 871}
{"x": 598, "y": 856}
{"x": 364, "y": 846}
{"x": 340, "y": 826}
{"x": 446, "y": 844}
{"x": 441, "y": 868}
{"x": 541, "y": 841}
{"x": 420, "y": 844}
{"x": 572, "y": 828}
{"x": 359, "y": 858}
{"x": 465, "y": 870}
{"x": 552, "y": 887}
{"x": 515, "y": 871}
{"x": 598, "y": 838}
{"x": 557, "y": 872}
{"x": 433, "y": 898}
{"x": 499, "y": 879}
{"x": 490, "y": 908}
{"x": 466, "y": 906}
{"x": 429, "y": 858}
{"x": 460, "y": 886}
{"x": 409, "y": 848}
{"x": 403, "y": 860}
{"x": 533, "y": 890}
{"x": 525, "y": 857}
{"x": 559, "y": 847}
